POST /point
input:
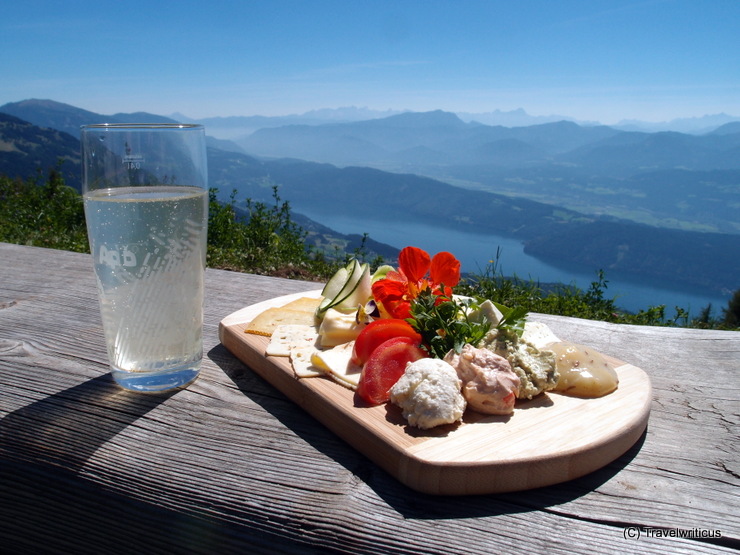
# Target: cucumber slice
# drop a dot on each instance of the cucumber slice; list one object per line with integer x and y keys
{"x": 351, "y": 283}
{"x": 381, "y": 272}
{"x": 352, "y": 276}
{"x": 335, "y": 284}
{"x": 361, "y": 292}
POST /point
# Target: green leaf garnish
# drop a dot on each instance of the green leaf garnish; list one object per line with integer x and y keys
{"x": 444, "y": 324}
{"x": 514, "y": 318}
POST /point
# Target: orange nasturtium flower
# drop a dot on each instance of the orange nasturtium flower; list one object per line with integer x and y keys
{"x": 396, "y": 291}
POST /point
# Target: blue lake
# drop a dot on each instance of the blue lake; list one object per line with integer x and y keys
{"x": 476, "y": 250}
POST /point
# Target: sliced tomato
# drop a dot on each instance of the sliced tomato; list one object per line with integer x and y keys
{"x": 385, "y": 367}
{"x": 378, "y": 332}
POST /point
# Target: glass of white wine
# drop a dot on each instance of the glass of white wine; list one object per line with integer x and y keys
{"x": 145, "y": 190}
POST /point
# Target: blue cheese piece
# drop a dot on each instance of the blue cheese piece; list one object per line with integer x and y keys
{"x": 535, "y": 367}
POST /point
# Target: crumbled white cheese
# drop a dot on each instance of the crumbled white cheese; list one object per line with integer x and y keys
{"x": 429, "y": 394}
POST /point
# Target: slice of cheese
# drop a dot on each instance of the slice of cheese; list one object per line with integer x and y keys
{"x": 301, "y": 360}
{"x": 297, "y": 341}
{"x": 285, "y": 337}
{"x": 338, "y": 364}
{"x": 337, "y": 328}
{"x": 295, "y": 337}
{"x": 304, "y": 304}
{"x": 299, "y": 311}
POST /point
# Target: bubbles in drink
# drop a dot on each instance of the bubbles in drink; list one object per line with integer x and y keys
{"x": 148, "y": 246}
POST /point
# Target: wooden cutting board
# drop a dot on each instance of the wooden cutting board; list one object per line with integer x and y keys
{"x": 550, "y": 439}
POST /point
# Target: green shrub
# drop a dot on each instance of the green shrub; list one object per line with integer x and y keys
{"x": 264, "y": 240}
{"x": 43, "y": 214}
{"x": 592, "y": 304}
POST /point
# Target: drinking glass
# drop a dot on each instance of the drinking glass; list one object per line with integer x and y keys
{"x": 145, "y": 191}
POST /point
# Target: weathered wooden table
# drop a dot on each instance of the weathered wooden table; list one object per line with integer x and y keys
{"x": 230, "y": 465}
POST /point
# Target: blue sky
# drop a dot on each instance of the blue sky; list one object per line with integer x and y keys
{"x": 605, "y": 61}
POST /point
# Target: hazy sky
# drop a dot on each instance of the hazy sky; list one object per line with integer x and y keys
{"x": 652, "y": 60}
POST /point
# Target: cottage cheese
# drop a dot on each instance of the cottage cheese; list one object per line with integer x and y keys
{"x": 429, "y": 394}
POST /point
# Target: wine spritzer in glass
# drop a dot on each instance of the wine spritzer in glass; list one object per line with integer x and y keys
{"x": 146, "y": 205}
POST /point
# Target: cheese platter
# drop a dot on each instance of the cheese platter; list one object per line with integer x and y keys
{"x": 549, "y": 439}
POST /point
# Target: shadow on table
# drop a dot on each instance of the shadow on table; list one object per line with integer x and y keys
{"x": 48, "y": 505}
{"x": 68, "y": 427}
{"x": 409, "y": 503}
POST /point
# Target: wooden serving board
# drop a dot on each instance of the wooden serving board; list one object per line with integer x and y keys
{"x": 550, "y": 439}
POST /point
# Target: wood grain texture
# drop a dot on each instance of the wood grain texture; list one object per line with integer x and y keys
{"x": 550, "y": 439}
{"x": 231, "y": 465}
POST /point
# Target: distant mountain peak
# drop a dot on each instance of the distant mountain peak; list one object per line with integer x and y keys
{"x": 177, "y": 116}
{"x": 727, "y": 129}
{"x": 426, "y": 119}
{"x": 349, "y": 113}
{"x": 40, "y": 103}
{"x": 142, "y": 117}
{"x": 691, "y": 125}
{"x": 516, "y": 118}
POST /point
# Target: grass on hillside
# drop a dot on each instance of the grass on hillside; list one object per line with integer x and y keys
{"x": 45, "y": 212}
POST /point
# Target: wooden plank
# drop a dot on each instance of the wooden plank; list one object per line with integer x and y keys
{"x": 550, "y": 439}
{"x": 230, "y": 465}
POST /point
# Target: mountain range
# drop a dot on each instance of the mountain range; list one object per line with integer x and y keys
{"x": 519, "y": 182}
{"x": 666, "y": 179}
{"x": 663, "y": 179}
{"x": 443, "y": 139}
{"x": 234, "y": 126}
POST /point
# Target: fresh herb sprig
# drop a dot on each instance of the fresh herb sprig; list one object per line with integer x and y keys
{"x": 444, "y": 324}
{"x": 513, "y": 318}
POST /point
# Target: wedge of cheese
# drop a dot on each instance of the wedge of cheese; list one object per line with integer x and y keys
{"x": 338, "y": 328}
{"x": 337, "y": 363}
{"x": 539, "y": 335}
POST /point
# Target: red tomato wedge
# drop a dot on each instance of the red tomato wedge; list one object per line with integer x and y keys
{"x": 378, "y": 332}
{"x": 385, "y": 367}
